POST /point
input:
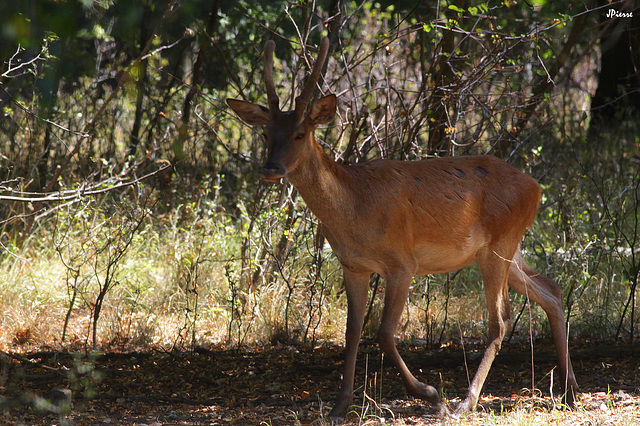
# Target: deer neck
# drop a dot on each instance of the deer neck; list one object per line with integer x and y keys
{"x": 324, "y": 185}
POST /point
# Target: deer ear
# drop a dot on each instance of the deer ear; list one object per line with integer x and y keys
{"x": 252, "y": 114}
{"x": 323, "y": 110}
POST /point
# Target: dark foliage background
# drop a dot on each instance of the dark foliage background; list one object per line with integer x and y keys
{"x": 123, "y": 171}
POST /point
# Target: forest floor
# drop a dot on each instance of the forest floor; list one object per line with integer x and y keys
{"x": 286, "y": 385}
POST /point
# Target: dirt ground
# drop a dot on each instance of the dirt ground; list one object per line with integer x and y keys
{"x": 287, "y": 385}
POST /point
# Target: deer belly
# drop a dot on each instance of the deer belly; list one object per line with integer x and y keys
{"x": 451, "y": 254}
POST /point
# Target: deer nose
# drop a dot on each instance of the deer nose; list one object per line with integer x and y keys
{"x": 272, "y": 172}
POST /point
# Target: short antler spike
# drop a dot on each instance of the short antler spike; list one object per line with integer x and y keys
{"x": 272, "y": 97}
{"x": 307, "y": 91}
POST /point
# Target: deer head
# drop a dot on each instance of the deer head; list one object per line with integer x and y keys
{"x": 289, "y": 134}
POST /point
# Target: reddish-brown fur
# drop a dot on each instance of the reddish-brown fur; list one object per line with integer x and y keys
{"x": 402, "y": 218}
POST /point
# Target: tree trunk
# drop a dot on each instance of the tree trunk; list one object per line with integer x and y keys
{"x": 618, "y": 94}
{"x": 178, "y": 145}
{"x": 443, "y": 77}
{"x": 142, "y": 69}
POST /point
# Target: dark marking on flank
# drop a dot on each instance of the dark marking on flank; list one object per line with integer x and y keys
{"x": 481, "y": 171}
{"x": 417, "y": 179}
{"x": 461, "y": 174}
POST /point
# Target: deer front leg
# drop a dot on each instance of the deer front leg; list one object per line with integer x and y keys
{"x": 357, "y": 289}
{"x": 395, "y": 298}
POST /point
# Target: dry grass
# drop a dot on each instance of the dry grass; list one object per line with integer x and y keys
{"x": 151, "y": 309}
{"x": 177, "y": 285}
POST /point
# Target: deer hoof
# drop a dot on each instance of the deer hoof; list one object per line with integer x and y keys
{"x": 465, "y": 406}
{"x": 336, "y": 420}
{"x": 445, "y": 412}
{"x": 339, "y": 411}
{"x": 570, "y": 396}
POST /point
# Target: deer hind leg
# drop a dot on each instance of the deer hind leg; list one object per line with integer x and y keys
{"x": 395, "y": 298}
{"x": 548, "y": 294}
{"x": 494, "y": 268}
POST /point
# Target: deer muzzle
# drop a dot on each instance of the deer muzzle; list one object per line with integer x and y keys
{"x": 273, "y": 172}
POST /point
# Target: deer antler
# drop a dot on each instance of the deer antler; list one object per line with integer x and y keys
{"x": 307, "y": 91}
{"x": 272, "y": 97}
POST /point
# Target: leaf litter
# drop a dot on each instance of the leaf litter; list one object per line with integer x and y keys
{"x": 295, "y": 385}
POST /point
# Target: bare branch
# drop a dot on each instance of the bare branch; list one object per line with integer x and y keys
{"x": 13, "y": 69}
{"x": 77, "y": 194}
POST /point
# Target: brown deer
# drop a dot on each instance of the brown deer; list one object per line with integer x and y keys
{"x": 402, "y": 218}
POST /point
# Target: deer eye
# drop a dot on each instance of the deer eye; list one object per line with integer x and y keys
{"x": 299, "y": 136}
